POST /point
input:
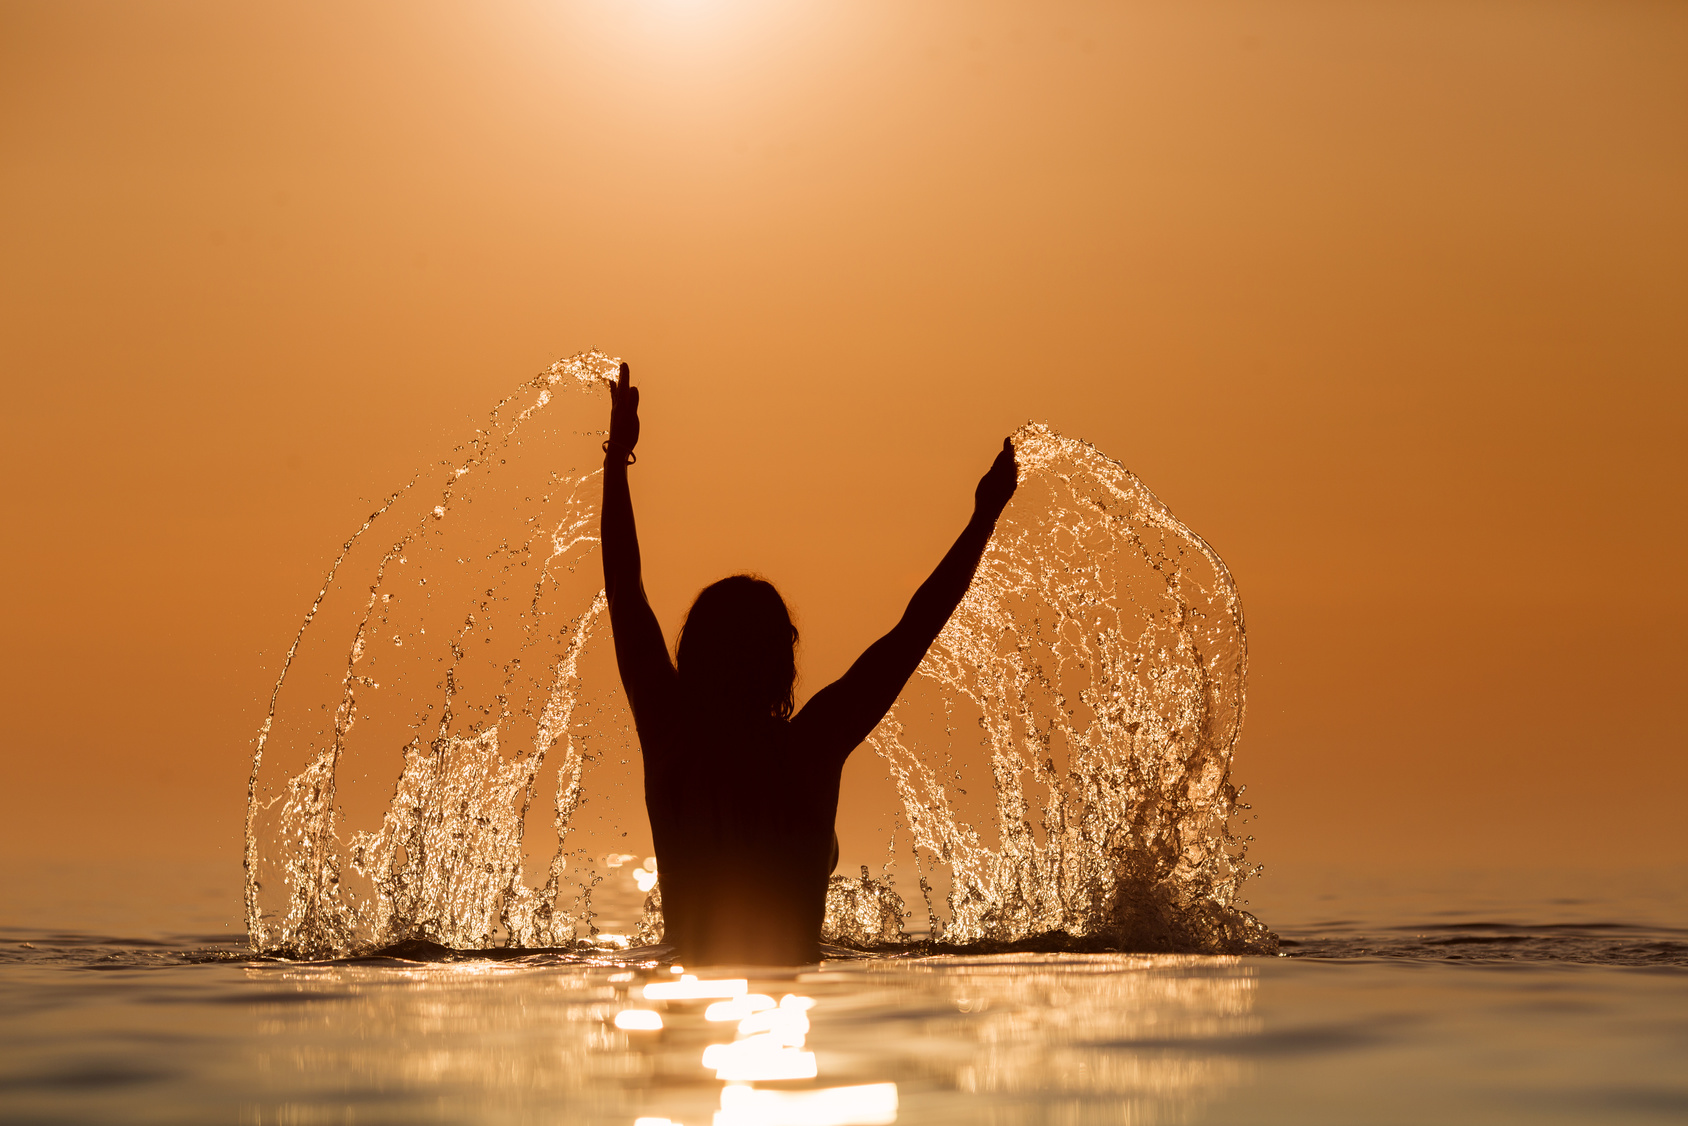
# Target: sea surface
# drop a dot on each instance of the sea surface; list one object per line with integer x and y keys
{"x": 1455, "y": 998}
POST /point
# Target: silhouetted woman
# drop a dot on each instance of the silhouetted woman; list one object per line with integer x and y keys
{"x": 742, "y": 794}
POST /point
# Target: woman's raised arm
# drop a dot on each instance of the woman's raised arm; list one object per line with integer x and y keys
{"x": 843, "y": 713}
{"x": 641, "y": 655}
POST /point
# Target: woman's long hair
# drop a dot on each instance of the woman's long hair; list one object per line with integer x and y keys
{"x": 738, "y": 649}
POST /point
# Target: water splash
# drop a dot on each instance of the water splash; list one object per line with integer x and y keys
{"x": 446, "y": 863}
{"x": 1100, "y": 655}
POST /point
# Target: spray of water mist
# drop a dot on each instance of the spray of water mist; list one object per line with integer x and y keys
{"x": 1093, "y": 678}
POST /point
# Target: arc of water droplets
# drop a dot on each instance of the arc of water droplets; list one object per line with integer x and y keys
{"x": 429, "y": 884}
{"x": 1102, "y": 630}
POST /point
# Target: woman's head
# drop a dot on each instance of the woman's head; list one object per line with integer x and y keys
{"x": 738, "y": 648}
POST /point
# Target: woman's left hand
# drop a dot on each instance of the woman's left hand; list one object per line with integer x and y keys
{"x": 998, "y": 484}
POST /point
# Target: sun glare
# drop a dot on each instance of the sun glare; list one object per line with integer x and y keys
{"x": 689, "y": 988}
{"x": 868, "y": 1104}
{"x": 638, "y": 1020}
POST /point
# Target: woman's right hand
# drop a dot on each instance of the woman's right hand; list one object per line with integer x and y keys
{"x": 624, "y": 413}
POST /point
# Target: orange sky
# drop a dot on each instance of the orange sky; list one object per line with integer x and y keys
{"x": 1385, "y": 300}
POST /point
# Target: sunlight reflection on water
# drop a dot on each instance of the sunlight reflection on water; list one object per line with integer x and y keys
{"x": 98, "y": 1031}
{"x": 869, "y": 1041}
